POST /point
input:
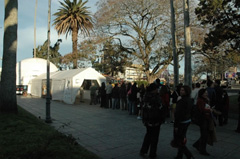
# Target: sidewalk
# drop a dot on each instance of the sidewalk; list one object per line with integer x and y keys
{"x": 113, "y": 134}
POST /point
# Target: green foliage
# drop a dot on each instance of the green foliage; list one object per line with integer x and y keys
{"x": 139, "y": 83}
{"x": 72, "y": 17}
{"x": 23, "y": 136}
{"x": 54, "y": 55}
{"x": 223, "y": 17}
{"x": 114, "y": 59}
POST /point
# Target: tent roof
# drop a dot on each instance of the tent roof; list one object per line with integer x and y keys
{"x": 35, "y": 64}
{"x": 64, "y": 74}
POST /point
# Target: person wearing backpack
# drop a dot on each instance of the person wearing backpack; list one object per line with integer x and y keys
{"x": 182, "y": 121}
{"x": 152, "y": 117}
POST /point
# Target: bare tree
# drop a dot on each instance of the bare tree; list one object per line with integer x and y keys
{"x": 141, "y": 27}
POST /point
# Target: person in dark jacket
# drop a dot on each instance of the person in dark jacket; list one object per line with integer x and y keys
{"x": 182, "y": 121}
{"x": 175, "y": 95}
{"x": 219, "y": 101}
{"x": 132, "y": 97}
{"x": 123, "y": 96}
{"x": 225, "y": 107}
{"x": 142, "y": 92}
{"x": 153, "y": 127}
{"x": 103, "y": 96}
{"x": 115, "y": 96}
{"x": 238, "y": 126}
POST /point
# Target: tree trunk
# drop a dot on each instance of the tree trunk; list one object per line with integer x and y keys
{"x": 74, "y": 46}
{"x": 175, "y": 56}
{"x": 187, "y": 43}
{"x": 8, "y": 101}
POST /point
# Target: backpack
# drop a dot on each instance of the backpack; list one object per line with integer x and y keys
{"x": 153, "y": 111}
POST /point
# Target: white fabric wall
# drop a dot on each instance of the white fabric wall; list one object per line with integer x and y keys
{"x": 30, "y": 68}
{"x": 58, "y": 89}
{"x": 66, "y": 84}
{"x": 36, "y": 87}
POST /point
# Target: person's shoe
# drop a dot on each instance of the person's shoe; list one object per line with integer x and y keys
{"x": 204, "y": 153}
{"x": 139, "y": 118}
{"x": 225, "y": 122}
{"x": 237, "y": 131}
{"x": 196, "y": 147}
{"x": 178, "y": 157}
{"x": 152, "y": 156}
{"x": 142, "y": 154}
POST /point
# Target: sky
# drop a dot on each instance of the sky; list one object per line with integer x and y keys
{"x": 26, "y": 11}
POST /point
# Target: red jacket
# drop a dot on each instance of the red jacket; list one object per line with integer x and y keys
{"x": 166, "y": 100}
{"x": 201, "y": 104}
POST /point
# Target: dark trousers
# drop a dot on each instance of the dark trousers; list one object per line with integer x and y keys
{"x": 151, "y": 140}
{"x": 201, "y": 143}
{"x": 225, "y": 117}
{"x": 219, "y": 107}
{"x": 238, "y": 127}
{"x": 93, "y": 99}
{"x": 109, "y": 100}
{"x": 181, "y": 135}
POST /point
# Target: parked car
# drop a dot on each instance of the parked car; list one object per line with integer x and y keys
{"x": 21, "y": 89}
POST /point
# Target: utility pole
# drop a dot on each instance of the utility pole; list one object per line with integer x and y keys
{"x": 187, "y": 43}
{"x": 35, "y": 17}
{"x": 48, "y": 116}
{"x": 175, "y": 56}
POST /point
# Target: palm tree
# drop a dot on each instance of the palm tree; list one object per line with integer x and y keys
{"x": 70, "y": 18}
{"x": 8, "y": 101}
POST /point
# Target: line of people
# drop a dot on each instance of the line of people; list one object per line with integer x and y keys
{"x": 212, "y": 102}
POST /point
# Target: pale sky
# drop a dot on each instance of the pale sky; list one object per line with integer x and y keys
{"x": 26, "y": 11}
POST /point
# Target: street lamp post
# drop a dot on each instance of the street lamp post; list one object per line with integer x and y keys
{"x": 187, "y": 44}
{"x": 48, "y": 116}
{"x": 175, "y": 56}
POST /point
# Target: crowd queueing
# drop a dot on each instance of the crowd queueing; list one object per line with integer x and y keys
{"x": 212, "y": 103}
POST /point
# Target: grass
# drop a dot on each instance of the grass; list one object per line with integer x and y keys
{"x": 23, "y": 136}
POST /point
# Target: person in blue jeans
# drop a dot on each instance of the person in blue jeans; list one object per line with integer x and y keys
{"x": 132, "y": 98}
{"x": 115, "y": 96}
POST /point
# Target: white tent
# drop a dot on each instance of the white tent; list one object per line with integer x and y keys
{"x": 65, "y": 84}
{"x": 30, "y": 68}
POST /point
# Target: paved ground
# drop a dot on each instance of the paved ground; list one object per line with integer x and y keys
{"x": 113, "y": 134}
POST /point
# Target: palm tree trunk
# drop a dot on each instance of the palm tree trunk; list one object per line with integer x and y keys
{"x": 74, "y": 46}
{"x": 8, "y": 101}
{"x": 187, "y": 43}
